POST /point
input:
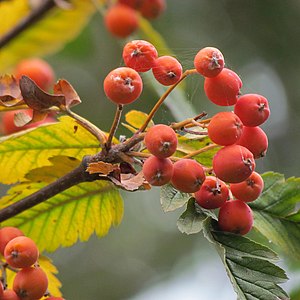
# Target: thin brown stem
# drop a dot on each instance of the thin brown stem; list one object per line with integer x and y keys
{"x": 204, "y": 149}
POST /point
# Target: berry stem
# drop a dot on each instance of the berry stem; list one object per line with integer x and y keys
{"x": 163, "y": 98}
{"x": 202, "y": 150}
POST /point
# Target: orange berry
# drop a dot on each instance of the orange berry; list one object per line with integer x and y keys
{"x": 6, "y": 234}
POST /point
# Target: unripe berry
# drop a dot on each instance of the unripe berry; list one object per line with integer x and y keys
{"x": 38, "y": 70}
{"x": 161, "y": 140}
{"x": 30, "y": 283}
{"x": 224, "y": 88}
{"x": 213, "y": 193}
{"x": 233, "y": 163}
{"x": 209, "y": 62}
{"x": 252, "y": 109}
{"x": 151, "y": 9}
{"x": 139, "y": 55}
{"x": 167, "y": 70}
{"x": 123, "y": 85}
{"x": 225, "y": 128}
{"x": 158, "y": 171}
{"x": 9, "y": 294}
{"x": 21, "y": 252}
{"x": 121, "y": 20}
{"x": 255, "y": 140}
{"x": 188, "y": 175}
{"x": 6, "y": 234}
{"x": 248, "y": 190}
{"x": 235, "y": 216}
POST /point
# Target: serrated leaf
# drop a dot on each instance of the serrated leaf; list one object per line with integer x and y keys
{"x": 275, "y": 213}
{"x": 171, "y": 199}
{"x": 24, "y": 151}
{"x": 137, "y": 118}
{"x": 48, "y": 35}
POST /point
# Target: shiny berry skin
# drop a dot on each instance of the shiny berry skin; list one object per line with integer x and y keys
{"x": 38, "y": 70}
{"x": 6, "y": 234}
{"x": 255, "y": 140}
{"x": 139, "y": 55}
{"x": 9, "y": 294}
{"x": 167, "y": 70}
{"x": 151, "y": 9}
{"x": 235, "y": 216}
{"x": 121, "y": 20}
{"x": 233, "y": 163}
{"x": 161, "y": 140}
{"x": 224, "y": 88}
{"x": 30, "y": 283}
{"x": 252, "y": 109}
{"x": 209, "y": 62}
{"x": 123, "y": 85}
{"x": 21, "y": 252}
{"x": 188, "y": 175}
{"x": 213, "y": 193}
{"x": 248, "y": 190}
{"x": 225, "y": 128}
{"x": 158, "y": 171}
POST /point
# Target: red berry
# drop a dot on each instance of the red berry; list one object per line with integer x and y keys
{"x": 233, "y": 163}
{"x": 30, "y": 283}
{"x": 235, "y": 216}
{"x": 161, "y": 140}
{"x": 252, "y": 109}
{"x": 139, "y": 55}
{"x": 248, "y": 190}
{"x": 123, "y": 85}
{"x": 9, "y": 294}
{"x": 151, "y": 9}
{"x": 213, "y": 193}
{"x": 167, "y": 70}
{"x": 255, "y": 140}
{"x": 121, "y": 20}
{"x": 7, "y": 234}
{"x": 38, "y": 70}
{"x": 209, "y": 62}
{"x": 54, "y": 298}
{"x": 1, "y": 289}
{"x": 188, "y": 175}
{"x": 225, "y": 128}
{"x": 135, "y": 4}
{"x": 21, "y": 252}
{"x": 158, "y": 171}
{"x": 224, "y": 88}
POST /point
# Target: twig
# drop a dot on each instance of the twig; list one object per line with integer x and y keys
{"x": 204, "y": 149}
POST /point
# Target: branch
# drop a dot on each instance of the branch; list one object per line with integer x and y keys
{"x": 31, "y": 19}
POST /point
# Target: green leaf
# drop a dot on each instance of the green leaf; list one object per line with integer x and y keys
{"x": 275, "y": 213}
{"x": 172, "y": 199}
{"x": 248, "y": 266}
{"x": 47, "y": 36}
{"x": 71, "y": 215}
{"x": 30, "y": 149}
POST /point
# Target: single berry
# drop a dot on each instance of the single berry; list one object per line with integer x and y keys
{"x": 167, "y": 70}
{"x": 30, "y": 283}
{"x": 161, "y": 140}
{"x": 224, "y": 88}
{"x": 158, "y": 171}
{"x": 38, "y": 70}
{"x": 209, "y": 62}
{"x": 213, "y": 193}
{"x": 123, "y": 85}
{"x": 139, "y": 55}
{"x": 248, "y": 190}
{"x": 225, "y": 128}
{"x": 9, "y": 294}
{"x": 233, "y": 163}
{"x": 121, "y": 20}
{"x": 252, "y": 109}
{"x": 151, "y": 9}
{"x": 6, "y": 234}
{"x": 235, "y": 216}
{"x": 188, "y": 175}
{"x": 21, "y": 252}
{"x": 255, "y": 140}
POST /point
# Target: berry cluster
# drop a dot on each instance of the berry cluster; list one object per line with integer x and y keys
{"x": 122, "y": 18}
{"x": 20, "y": 255}
{"x": 232, "y": 181}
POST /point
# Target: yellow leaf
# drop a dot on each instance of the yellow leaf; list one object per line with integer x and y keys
{"x": 137, "y": 118}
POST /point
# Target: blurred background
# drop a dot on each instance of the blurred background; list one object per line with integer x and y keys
{"x": 146, "y": 257}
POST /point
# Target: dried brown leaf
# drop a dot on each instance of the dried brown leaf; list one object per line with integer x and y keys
{"x": 131, "y": 182}
{"x": 101, "y": 168}
{"x": 10, "y": 93}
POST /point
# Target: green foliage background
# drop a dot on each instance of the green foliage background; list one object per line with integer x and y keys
{"x": 259, "y": 43}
